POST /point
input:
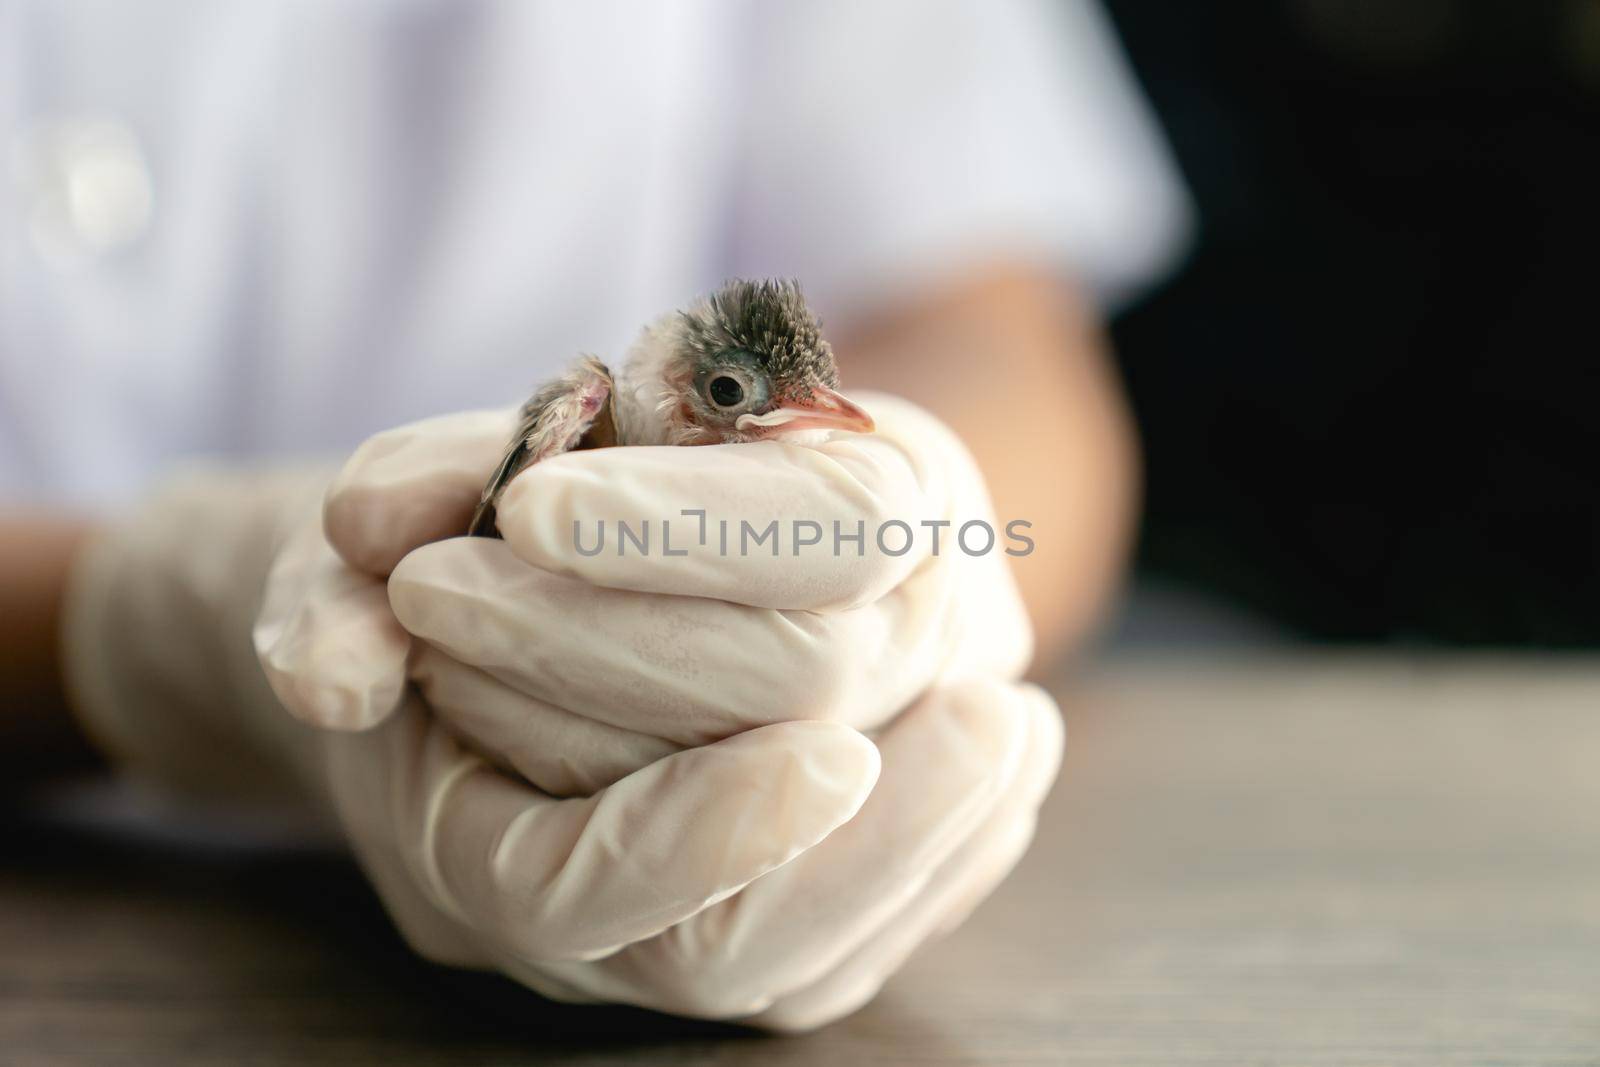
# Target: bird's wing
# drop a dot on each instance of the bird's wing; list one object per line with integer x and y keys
{"x": 571, "y": 412}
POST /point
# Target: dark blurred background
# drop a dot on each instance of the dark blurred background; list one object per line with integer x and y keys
{"x": 1368, "y": 401}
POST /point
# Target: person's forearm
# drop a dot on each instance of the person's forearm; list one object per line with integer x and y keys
{"x": 1015, "y": 361}
{"x": 38, "y": 737}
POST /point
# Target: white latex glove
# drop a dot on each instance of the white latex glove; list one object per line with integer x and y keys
{"x": 575, "y": 686}
{"x": 476, "y": 867}
{"x": 156, "y": 636}
{"x": 741, "y": 640}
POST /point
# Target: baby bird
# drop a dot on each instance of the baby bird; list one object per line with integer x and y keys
{"x": 746, "y": 363}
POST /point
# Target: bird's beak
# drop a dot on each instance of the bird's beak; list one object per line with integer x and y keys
{"x": 822, "y": 409}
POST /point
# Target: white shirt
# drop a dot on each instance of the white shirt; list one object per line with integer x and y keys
{"x": 252, "y": 229}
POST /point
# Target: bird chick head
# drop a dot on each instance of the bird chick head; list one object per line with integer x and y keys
{"x": 750, "y": 363}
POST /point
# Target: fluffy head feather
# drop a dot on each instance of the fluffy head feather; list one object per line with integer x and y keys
{"x": 770, "y": 320}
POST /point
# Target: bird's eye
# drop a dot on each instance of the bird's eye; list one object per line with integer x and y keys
{"x": 725, "y": 391}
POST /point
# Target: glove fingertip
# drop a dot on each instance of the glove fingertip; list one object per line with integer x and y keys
{"x": 406, "y": 487}
{"x": 332, "y": 684}
{"x": 332, "y": 707}
{"x": 1047, "y": 743}
{"x": 347, "y": 523}
{"x": 837, "y": 763}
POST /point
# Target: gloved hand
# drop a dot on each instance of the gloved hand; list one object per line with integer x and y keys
{"x": 579, "y": 670}
{"x": 848, "y": 631}
{"x": 476, "y": 867}
{"x": 156, "y": 645}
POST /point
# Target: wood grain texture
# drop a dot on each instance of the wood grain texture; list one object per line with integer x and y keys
{"x": 1327, "y": 860}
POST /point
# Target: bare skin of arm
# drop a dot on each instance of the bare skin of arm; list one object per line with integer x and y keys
{"x": 1014, "y": 360}
{"x": 38, "y": 738}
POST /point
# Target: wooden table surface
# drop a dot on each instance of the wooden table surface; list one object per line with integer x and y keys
{"x": 1326, "y": 860}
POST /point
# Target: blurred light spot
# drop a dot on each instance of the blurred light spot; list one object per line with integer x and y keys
{"x": 85, "y": 186}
